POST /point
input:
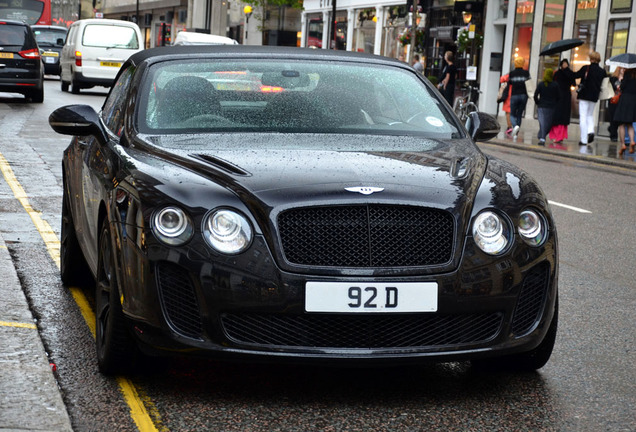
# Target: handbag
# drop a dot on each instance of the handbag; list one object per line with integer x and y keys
{"x": 614, "y": 99}
{"x": 503, "y": 92}
{"x": 607, "y": 91}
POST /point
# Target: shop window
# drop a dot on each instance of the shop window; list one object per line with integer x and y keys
{"x": 315, "y": 27}
{"x": 617, "y": 34}
{"x": 585, "y": 29}
{"x": 621, "y": 6}
{"x": 552, "y": 31}
{"x": 364, "y": 34}
{"x": 522, "y": 37}
{"x": 395, "y": 21}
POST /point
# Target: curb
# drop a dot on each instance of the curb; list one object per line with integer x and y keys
{"x": 30, "y": 398}
{"x": 534, "y": 148}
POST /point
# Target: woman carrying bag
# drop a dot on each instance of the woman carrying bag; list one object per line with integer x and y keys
{"x": 588, "y": 91}
{"x": 625, "y": 114}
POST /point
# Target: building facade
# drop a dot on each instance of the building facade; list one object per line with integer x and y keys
{"x": 501, "y": 30}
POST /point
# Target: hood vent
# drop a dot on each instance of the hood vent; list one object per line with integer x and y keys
{"x": 221, "y": 164}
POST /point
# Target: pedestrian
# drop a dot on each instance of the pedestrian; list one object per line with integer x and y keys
{"x": 564, "y": 77}
{"x": 504, "y": 97}
{"x": 417, "y": 64}
{"x": 626, "y": 110}
{"x": 615, "y": 80}
{"x": 546, "y": 96}
{"x": 447, "y": 81}
{"x": 518, "y": 94}
{"x": 588, "y": 92}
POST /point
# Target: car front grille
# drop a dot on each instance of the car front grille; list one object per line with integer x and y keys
{"x": 531, "y": 300}
{"x": 363, "y": 331}
{"x": 367, "y": 236}
{"x": 179, "y": 299}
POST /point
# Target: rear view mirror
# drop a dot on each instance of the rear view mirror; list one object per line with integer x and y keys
{"x": 287, "y": 79}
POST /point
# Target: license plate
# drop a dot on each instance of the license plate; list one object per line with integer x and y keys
{"x": 110, "y": 64}
{"x": 50, "y": 54}
{"x": 6, "y": 55}
{"x": 370, "y": 297}
{"x": 49, "y": 60}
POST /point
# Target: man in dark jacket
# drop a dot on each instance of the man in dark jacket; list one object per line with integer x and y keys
{"x": 589, "y": 89}
{"x": 518, "y": 93}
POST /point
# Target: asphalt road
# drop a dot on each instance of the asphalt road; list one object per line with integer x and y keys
{"x": 588, "y": 385}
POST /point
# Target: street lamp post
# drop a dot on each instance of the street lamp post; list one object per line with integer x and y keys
{"x": 247, "y": 10}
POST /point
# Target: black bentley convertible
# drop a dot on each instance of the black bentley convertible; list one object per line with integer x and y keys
{"x": 290, "y": 204}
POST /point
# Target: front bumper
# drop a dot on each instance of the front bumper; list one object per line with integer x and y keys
{"x": 247, "y": 306}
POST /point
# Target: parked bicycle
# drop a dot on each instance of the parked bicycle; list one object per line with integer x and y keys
{"x": 467, "y": 102}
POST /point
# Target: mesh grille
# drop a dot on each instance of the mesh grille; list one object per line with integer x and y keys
{"x": 367, "y": 236}
{"x": 179, "y": 300}
{"x": 347, "y": 331}
{"x": 531, "y": 300}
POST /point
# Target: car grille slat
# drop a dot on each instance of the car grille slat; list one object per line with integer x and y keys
{"x": 531, "y": 300}
{"x": 179, "y": 300}
{"x": 367, "y": 236}
{"x": 363, "y": 332}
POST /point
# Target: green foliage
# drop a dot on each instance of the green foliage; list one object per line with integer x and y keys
{"x": 464, "y": 43}
{"x": 296, "y": 4}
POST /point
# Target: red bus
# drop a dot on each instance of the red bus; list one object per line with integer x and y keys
{"x": 30, "y": 11}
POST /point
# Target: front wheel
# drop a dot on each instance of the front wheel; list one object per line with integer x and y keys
{"x": 116, "y": 349}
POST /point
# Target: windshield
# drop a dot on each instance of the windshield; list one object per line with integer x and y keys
{"x": 301, "y": 96}
{"x": 50, "y": 36}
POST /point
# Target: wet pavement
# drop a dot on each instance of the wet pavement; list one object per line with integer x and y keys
{"x": 601, "y": 150}
{"x": 30, "y": 398}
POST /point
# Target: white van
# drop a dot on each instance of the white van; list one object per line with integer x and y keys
{"x": 195, "y": 38}
{"x": 94, "y": 51}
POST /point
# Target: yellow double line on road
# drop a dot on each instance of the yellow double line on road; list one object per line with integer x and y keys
{"x": 138, "y": 410}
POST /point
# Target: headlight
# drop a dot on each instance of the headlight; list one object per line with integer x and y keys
{"x": 227, "y": 231}
{"x": 172, "y": 226}
{"x": 491, "y": 232}
{"x": 531, "y": 228}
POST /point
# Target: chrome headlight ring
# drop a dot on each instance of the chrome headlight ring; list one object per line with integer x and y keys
{"x": 491, "y": 232}
{"x": 532, "y": 227}
{"x": 227, "y": 231}
{"x": 172, "y": 226}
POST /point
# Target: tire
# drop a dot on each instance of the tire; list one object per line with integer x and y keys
{"x": 74, "y": 87}
{"x": 38, "y": 96}
{"x": 64, "y": 85}
{"x": 117, "y": 352}
{"x": 528, "y": 361}
{"x": 74, "y": 270}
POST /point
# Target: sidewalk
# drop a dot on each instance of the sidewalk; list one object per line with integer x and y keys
{"x": 602, "y": 150}
{"x": 30, "y": 399}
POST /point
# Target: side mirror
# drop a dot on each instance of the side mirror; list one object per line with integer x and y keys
{"x": 78, "y": 120}
{"x": 482, "y": 126}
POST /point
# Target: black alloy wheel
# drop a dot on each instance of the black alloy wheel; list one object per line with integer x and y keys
{"x": 74, "y": 270}
{"x": 116, "y": 349}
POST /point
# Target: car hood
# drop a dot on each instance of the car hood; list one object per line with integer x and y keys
{"x": 328, "y": 169}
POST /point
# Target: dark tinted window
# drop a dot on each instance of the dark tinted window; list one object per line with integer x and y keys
{"x": 114, "y": 107}
{"x": 48, "y": 37}
{"x": 13, "y": 36}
